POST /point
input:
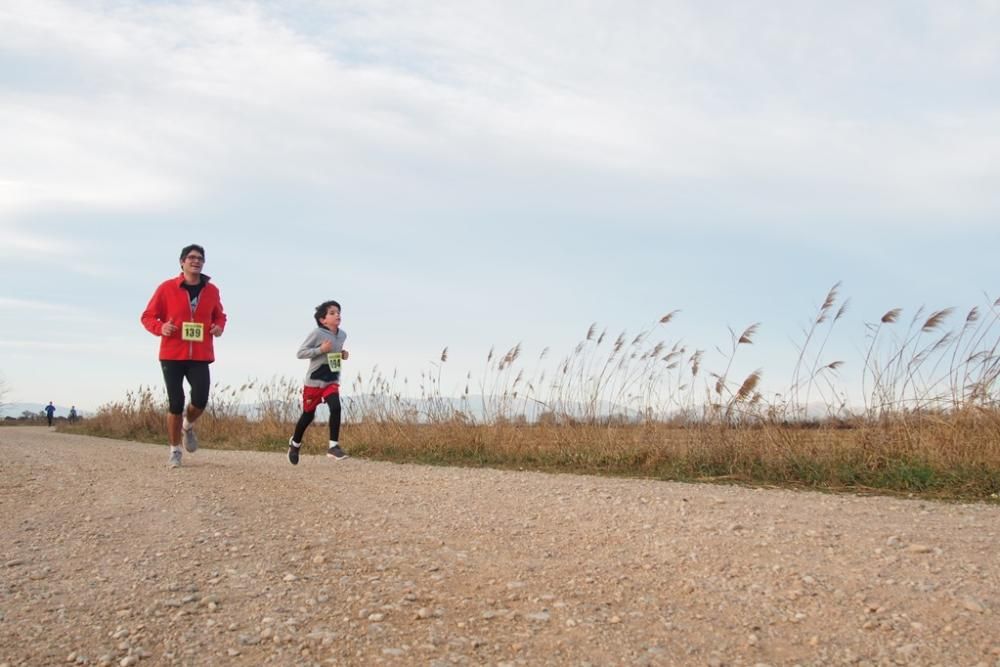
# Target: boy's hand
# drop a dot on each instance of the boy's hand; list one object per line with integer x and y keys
{"x": 216, "y": 330}
{"x": 343, "y": 355}
{"x": 168, "y": 328}
{"x": 325, "y": 346}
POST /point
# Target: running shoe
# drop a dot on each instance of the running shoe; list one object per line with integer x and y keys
{"x": 336, "y": 452}
{"x": 190, "y": 439}
{"x": 175, "y": 458}
{"x": 293, "y": 453}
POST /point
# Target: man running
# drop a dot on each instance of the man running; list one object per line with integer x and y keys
{"x": 186, "y": 313}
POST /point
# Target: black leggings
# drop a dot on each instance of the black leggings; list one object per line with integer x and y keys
{"x": 197, "y": 376}
{"x": 333, "y": 402}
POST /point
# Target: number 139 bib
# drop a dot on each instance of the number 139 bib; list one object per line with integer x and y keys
{"x": 193, "y": 331}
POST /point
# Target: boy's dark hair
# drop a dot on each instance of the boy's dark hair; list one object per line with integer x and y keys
{"x": 321, "y": 310}
{"x": 188, "y": 248}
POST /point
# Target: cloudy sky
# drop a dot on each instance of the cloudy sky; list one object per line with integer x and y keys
{"x": 467, "y": 174}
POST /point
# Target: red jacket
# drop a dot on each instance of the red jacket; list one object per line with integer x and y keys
{"x": 171, "y": 302}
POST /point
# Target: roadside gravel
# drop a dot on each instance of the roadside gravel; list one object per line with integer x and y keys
{"x": 238, "y": 558}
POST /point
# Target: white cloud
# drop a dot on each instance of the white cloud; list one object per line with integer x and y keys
{"x": 16, "y": 242}
{"x": 52, "y": 346}
{"x": 155, "y": 107}
{"x": 61, "y": 154}
{"x": 41, "y": 313}
{"x": 45, "y": 248}
{"x": 7, "y": 303}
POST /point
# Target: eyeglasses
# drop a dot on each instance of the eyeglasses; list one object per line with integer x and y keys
{"x": 194, "y": 258}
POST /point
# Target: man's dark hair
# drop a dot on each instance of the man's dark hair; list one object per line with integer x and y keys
{"x": 188, "y": 248}
{"x": 321, "y": 311}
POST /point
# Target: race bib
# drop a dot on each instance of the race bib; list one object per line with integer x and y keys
{"x": 193, "y": 331}
{"x": 334, "y": 358}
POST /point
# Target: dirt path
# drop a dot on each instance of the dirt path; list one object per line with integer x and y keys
{"x": 238, "y": 558}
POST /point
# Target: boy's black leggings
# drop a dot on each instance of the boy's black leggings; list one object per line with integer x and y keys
{"x": 333, "y": 402}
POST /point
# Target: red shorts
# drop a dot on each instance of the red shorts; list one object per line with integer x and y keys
{"x": 313, "y": 396}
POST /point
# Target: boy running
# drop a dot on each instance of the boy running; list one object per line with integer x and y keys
{"x": 324, "y": 348}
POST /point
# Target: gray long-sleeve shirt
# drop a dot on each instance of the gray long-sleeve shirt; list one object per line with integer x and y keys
{"x": 320, "y": 374}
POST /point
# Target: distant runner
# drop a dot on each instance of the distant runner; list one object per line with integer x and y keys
{"x": 186, "y": 313}
{"x": 50, "y": 410}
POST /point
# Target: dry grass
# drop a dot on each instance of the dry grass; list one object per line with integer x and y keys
{"x": 629, "y": 405}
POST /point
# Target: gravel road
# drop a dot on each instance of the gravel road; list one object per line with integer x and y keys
{"x": 238, "y": 558}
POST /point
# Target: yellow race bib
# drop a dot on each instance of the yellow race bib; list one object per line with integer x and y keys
{"x": 193, "y": 331}
{"x": 334, "y": 358}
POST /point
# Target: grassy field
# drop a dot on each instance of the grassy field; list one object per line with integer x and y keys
{"x": 930, "y": 423}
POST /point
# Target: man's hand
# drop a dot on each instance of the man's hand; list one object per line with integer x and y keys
{"x": 169, "y": 328}
{"x": 216, "y": 330}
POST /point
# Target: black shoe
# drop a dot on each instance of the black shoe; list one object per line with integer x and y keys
{"x": 293, "y": 454}
{"x": 336, "y": 452}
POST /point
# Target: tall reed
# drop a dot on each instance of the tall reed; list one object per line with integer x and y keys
{"x": 646, "y": 403}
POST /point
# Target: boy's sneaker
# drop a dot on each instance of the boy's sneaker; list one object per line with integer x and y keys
{"x": 336, "y": 452}
{"x": 175, "y": 458}
{"x": 293, "y": 453}
{"x": 190, "y": 439}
